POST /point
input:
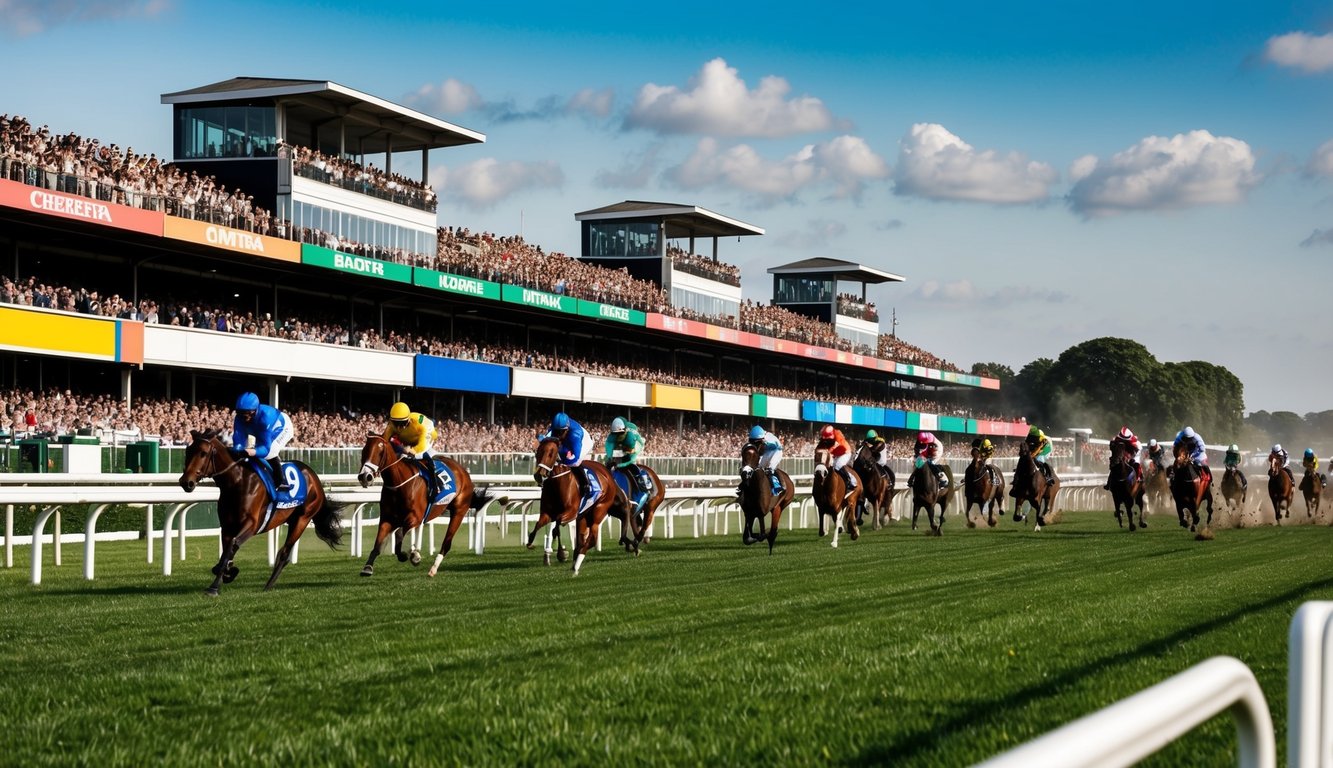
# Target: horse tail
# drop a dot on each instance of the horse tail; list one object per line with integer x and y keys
{"x": 329, "y": 524}
{"x": 481, "y": 496}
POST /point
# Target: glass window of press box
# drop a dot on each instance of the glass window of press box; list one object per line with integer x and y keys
{"x": 233, "y": 131}
{"x": 859, "y": 338}
{"x": 617, "y": 239}
{"x": 704, "y": 304}
{"x": 797, "y": 290}
{"x": 379, "y": 239}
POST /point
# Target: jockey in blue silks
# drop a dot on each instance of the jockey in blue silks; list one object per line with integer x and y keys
{"x": 1192, "y": 442}
{"x": 575, "y": 445}
{"x": 271, "y": 429}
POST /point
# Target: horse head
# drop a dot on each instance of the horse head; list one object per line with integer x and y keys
{"x": 376, "y": 457}
{"x": 823, "y": 456}
{"x": 202, "y": 458}
{"x": 547, "y": 458}
{"x": 1274, "y": 466}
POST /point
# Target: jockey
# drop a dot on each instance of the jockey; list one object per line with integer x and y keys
{"x": 1156, "y": 454}
{"x": 625, "y": 438}
{"x": 575, "y": 447}
{"x": 416, "y": 434}
{"x": 928, "y": 449}
{"x": 1283, "y": 459}
{"x": 832, "y": 438}
{"x": 878, "y": 447}
{"x": 1130, "y": 443}
{"x": 985, "y": 449}
{"x": 1232, "y": 461}
{"x": 271, "y": 429}
{"x": 1191, "y": 441}
{"x": 770, "y": 454}
{"x": 1040, "y": 445}
{"x": 1311, "y": 464}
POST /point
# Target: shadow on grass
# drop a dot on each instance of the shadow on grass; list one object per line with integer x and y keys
{"x": 981, "y": 714}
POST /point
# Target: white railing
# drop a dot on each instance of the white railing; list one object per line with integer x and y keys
{"x": 1310, "y": 686}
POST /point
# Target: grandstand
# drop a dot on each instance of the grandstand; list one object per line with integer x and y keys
{"x": 272, "y": 255}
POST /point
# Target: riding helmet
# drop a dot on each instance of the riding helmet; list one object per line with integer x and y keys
{"x": 1188, "y": 432}
{"x": 248, "y": 401}
{"x": 1152, "y": 443}
{"x": 1309, "y": 453}
{"x": 757, "y": 432}
{"x": 560, "y": 421}
{"x": 1034, "y": 431}
{"x": 826, "y": 433}
{"x": 1234, "y": 448}
{"x": 617, "y": 424}
{"x": 925, "y": 437}
{"x": 399, "y": 412}
{"x": 1125, "y": 434}
{"x": 871, "y": 434}
{"x": 1277, "y": 447}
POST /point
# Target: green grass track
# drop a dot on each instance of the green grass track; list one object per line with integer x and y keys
{"x": 898, "y": 649}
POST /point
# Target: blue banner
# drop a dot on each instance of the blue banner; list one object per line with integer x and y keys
{"x": 870, "y": 416}
{"x": 818, "y": 410}
{"x": 895, "y": 418}
{"x": 461, "y": 375}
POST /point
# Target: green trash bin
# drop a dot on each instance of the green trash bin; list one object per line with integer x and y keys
{"x": 141, "y": 456}
{"x": 33, "y": 456}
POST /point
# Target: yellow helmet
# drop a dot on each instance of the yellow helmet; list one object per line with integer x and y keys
{"x": 399, "y": 412}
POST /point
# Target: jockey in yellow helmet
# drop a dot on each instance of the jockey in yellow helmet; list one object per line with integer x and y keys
{"x": 416, "y": 434}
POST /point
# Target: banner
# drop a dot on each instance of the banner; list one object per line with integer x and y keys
{"x": 676, "y": 398}
{"x": 62, "y": 334}
{"x": 461, "y": 375}
{"x": 52, "y": 203}
{"x": 541, "y": 299}
{"x": 611, "y": 312}
{"x": 356, "y": 265}
{"x": 238, "y": 240}
{"x": 450, "y": 283}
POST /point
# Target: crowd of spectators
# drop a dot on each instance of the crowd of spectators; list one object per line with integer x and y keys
{"x": 703, "y": 266}
{"x": 365, "y": 179}
{"x": 893, "y": 348}
{"x": 850, "y": 305}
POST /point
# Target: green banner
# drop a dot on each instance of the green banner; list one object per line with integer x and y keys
{"x": 612, "y": 312}
{"x": 357, "y": 265}
{"x": 759, "y": 405}
{"x": 540, "y": 299}
{"x": 913, "y": 421}
{"x": 953, "y": 424}
{"x": 444, "y": 281}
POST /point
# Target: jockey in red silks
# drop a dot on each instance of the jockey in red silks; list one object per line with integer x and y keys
{"x": 1130, "y": 444}
{"x": 929, "y": 450}
{"x": 832, "y": 438}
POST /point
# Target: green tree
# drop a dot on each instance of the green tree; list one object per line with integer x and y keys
{"x": 1102, "y": 383}
{"x": 1031, "y": 392}
{"x": 1000, "y": 371}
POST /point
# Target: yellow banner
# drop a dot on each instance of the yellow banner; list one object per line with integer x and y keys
{"x": 230, "y": 239}
{"x": 30, "y": 329}
{"x": 677, "y": 398}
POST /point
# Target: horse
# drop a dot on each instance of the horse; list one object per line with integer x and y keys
{"x": 831, "y": 497}
{"x": 1312, "y": 487}
{"x": 1156, "y": 484}
{"x": 983, "y": 486}
{"x": 1031, "y": 486}
{"x": 644, "y": 514}
{"x": 1281, "y": 490}
{"x": 758, "y": 499}
{"x": 1127, "y": 487}
{"x": 560, "y": 500}
{"x": 877, "y": 486}
{"x": 405, "y": 502}
{"x": 1234, "y": 489}
{"x": 1190, "y": 489}
{"x": 926, "y": 493}
{"x": 244, "y": 507}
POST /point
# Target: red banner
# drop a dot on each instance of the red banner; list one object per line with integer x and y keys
{"x": 50, "y": 202}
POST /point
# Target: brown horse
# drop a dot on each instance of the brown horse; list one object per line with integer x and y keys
{"x": 1191, "y": 487}
{"x": 1312, "y": 487}
{"x": 405, "y": 503}
{"x": 1031, "y": 486}
{"x": 1127, "y": 488}
{"x": 758, "y": 499}
{"x": 1234, "y": 489}
{"x": 1157, "y": 484}
{"x": 832, "y": 497}
{"x": 644, "y": 512}
{"x": 877, "y": 486}
{"x": 926, "y": 494}
{"x": 560, "y": 500}
{"x": 1281, "y": 489}
{"x": 244, "y": 506}
{"x": 983, "y": 486}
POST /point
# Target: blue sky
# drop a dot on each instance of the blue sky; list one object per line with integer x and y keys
{"x": 1041, "y": 173}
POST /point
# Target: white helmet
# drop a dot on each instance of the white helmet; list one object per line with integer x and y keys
{"x": 1152, "y": 443}
{"x": 1234, "y": 448}
{"x": 1277, "y": 447}
{"x": 1188, "y": 432}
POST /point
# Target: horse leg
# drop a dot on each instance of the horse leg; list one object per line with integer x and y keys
{"x": 837, "y": 529}
{"x": 773, "y": 527}
{"x": 295, "y": 527}
{"x": 229, "y": 546}
{"x": 853, "y": 522}
{"x": 380, "y": 533}
{"x": 588, "y": 530}
{"x": 456, "y": 515}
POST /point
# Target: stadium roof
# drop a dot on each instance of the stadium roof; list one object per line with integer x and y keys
{"x": 681, "y": 220}
{"x": 368, "y": 120}
{"x": 837, "y": 269}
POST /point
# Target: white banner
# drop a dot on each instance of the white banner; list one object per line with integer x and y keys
{"x": 552, "y": 386}
{"x": 726, "y": 402}
{"x": 198, "y": 348}
{"x": 614, "y": 391}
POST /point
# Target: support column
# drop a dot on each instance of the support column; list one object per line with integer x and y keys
{"x": 272, "y": 386}
{"x": 126, "y": 386}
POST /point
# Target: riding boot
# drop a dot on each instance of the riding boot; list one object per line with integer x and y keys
{"x": 581, "y": 477}
{"x": 1107, "y": 485}
{"x": 279, "y": 481}
{"x": 848, "y": 478}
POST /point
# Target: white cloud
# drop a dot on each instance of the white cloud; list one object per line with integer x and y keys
{"x": 453, "y": 97}
{"x": 1188, "y": 169}
{"x": 1300, "y": 50}
{"x": 23, "y": 18}
{"x": 935, "y": 164}
{"x": 846, "y": 163}
{"x": 1321, "y": 162}
{"x": 448, "y": 98}
{"x": 965, "y": 292}
{"x": 485, "y": 182}
{"x": 1318, "y": 237}
{"x": 717, "y": 102}
{"x": 593, "y": 102}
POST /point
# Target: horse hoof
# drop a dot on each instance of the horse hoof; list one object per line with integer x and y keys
{"x": 991, "y": 522}
{"x": 1142, "y": 524}
{"x": 230, "y": 575}
{"x": 834, "y": 544}
{"x": 415, "y": 558}
{"x": 546, "y": 559}
{"x": 562, "y": 555}
{"x": 530, "y": 546}
{"x": 211, "y": 592}
{"x": 368, "y": 570}
{"x": 402, "y": 558}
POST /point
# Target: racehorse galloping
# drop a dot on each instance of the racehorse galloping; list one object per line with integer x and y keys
{"x": 644, "y": 516}
{"x": 832, "y": 497}
{"x": 1031, "y": 486}
{"x": 926, "y": 494}
{"x": 1157, "y": 485}
{"x": 244, "y": 506}
{"x": 1234, "y": 489}
{"x": 1280, "y": 489}
{"x": 877, "y": 486}
{"x": 1127, "y": 489}
{"x": 983, "y": 486}
{"x": 560, "y": 502}
{"x": 758, "y": 499}
{"x": 1312, "y": 487}
{"x": 1190, "y": 488}
{"x": 405, "y": 503}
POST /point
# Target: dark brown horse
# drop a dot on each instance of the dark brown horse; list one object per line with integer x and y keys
{"x": 404, "y": 502}
{"x": 927, "y": 494}
{"x": 244, "y": 508}
{"x": 560, "y": 500}
{"x": 1234, "y": 489}
{"x": 983, "y": 486}
{"x": 1157, "y": 484}
{"x": 1031, "y": 486}
{"x": 832, "y": 497}
{"x": 1127, "y": 488}
{"x": 877, "y": 486}
{"x": 646, "y": 511}
{"x": 1312, "y": 487}
{"x": 1191, "y": 487}
{"x": 1281, "y": 489}
{"x": 758, "y": 500}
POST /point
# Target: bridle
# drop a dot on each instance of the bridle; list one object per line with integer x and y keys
{"x": 374, "y": 470}
{"x": 552, "y": 470}
{"x": 212, "y": 444}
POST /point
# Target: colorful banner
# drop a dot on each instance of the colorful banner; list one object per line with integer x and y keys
{"x": 52, "y": 203}
{"x": 676, "y": 398}
{"x": 867, "y": 415}
{"x": 952, "y": 424}
{"x": 356, "y": 265}
{"x": 461, "y": 375}
{"x": 450, "y": 283}
{"x": 818, "y": 410}
{"x": 58, "y": 333}
{"x": 758, "y": 404}
{"x": 895, "y": 418}
{"x": 611, "y": 312}
{"x": 540, "y": 299}
{"x": 238, "y": 240}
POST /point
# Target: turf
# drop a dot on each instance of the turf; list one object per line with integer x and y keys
{"x": 896, "y": 649}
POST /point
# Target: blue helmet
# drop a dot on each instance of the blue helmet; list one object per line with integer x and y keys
{"x": 1188, "y": 432}
{"x": 560, "y": 421}
{"x": 248, "y": 401}
{"x": 1309, "y": 453}
{"x": 757, "y": 432}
